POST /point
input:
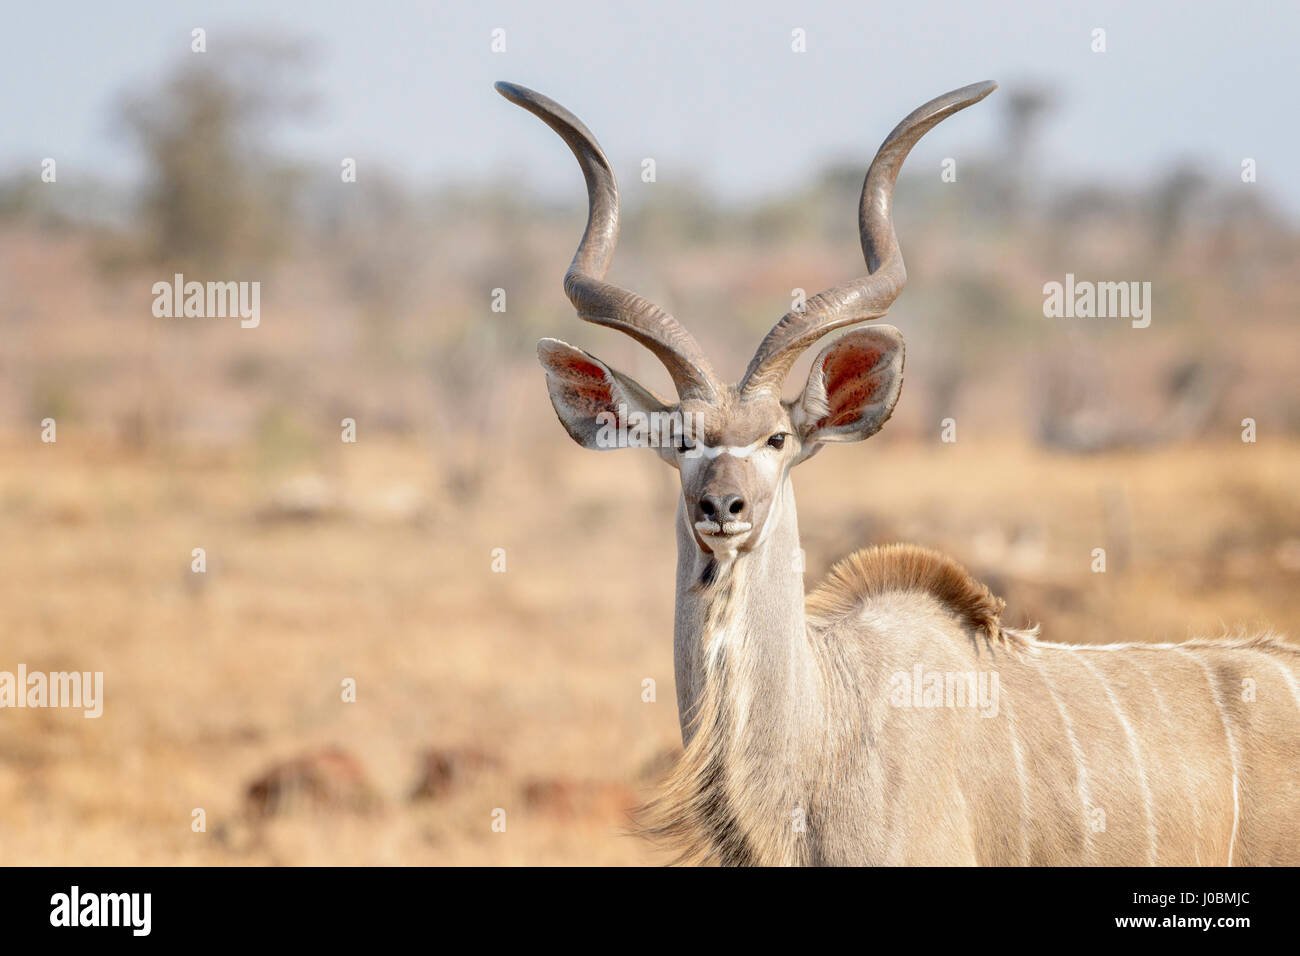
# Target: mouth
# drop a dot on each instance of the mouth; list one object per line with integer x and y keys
{"x": 724, "y": 530}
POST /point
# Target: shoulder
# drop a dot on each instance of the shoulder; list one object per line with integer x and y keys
{"x": 871, "y": 575}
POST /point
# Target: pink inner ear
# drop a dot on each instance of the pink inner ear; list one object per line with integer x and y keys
{"x": 587, "y": 390}
{"x": 850, "y": 386}
{"x": 577, "y": 367}
{"x": 592, "y": 399}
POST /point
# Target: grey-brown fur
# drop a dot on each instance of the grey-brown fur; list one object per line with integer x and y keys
{"x": 948, "y": 786}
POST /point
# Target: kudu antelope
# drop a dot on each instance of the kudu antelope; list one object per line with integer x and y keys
{"x": 829, "y": 728}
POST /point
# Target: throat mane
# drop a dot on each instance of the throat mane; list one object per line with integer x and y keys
{"x": 695, "y": 812}
{"x": 723, "y": 803}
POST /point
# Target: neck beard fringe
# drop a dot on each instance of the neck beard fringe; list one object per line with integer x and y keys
{"x": 693, "y": 814}
{"x": 700, "y": 811}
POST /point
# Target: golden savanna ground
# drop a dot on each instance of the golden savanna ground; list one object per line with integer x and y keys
{"x": 369, "y": 570}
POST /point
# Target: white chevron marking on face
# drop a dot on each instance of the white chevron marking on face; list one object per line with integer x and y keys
{"x": 709, "y": 451}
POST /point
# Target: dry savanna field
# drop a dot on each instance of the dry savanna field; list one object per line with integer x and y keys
{"x": 522, "y": 690}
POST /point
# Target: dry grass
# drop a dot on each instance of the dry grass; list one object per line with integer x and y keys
{"x": 211, "y": 679}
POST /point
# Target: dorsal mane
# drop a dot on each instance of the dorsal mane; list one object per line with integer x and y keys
{"x": 865, "y": 575}
{"x": 1266, "y": 641}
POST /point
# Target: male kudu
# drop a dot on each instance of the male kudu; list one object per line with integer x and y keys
{"x": 829, "y": 728}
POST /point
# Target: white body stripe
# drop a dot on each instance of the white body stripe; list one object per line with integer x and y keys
{"x": 1232, "y": 746}
{"x": 1137, "y": 754}
{"x": 1081, "y": 769}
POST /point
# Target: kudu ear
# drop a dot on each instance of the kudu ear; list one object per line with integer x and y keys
{"x": 595, "y": 404}
{"x": 852, "y": 387}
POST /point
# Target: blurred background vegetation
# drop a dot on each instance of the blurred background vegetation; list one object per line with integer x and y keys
{"x": 378, "y": 292}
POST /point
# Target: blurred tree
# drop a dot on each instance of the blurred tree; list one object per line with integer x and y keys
{"x": 215, "y": 192}
{"x": 1023, "y": 110}
{"x": 1172, "y": 202}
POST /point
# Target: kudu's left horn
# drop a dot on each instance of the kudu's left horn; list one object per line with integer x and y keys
{"x": 870, "y": 296}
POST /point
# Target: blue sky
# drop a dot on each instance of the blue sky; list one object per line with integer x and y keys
{"x": 698, "y": 85}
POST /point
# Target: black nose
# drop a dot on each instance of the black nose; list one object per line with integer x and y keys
{"x": 723, "y": 508}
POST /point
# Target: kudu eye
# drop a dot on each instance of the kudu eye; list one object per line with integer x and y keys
{"x": 777, "y": 441}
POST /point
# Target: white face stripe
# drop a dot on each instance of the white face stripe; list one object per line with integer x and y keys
{"x": 701, "y": 454}
{"x": 708, "y": 451}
